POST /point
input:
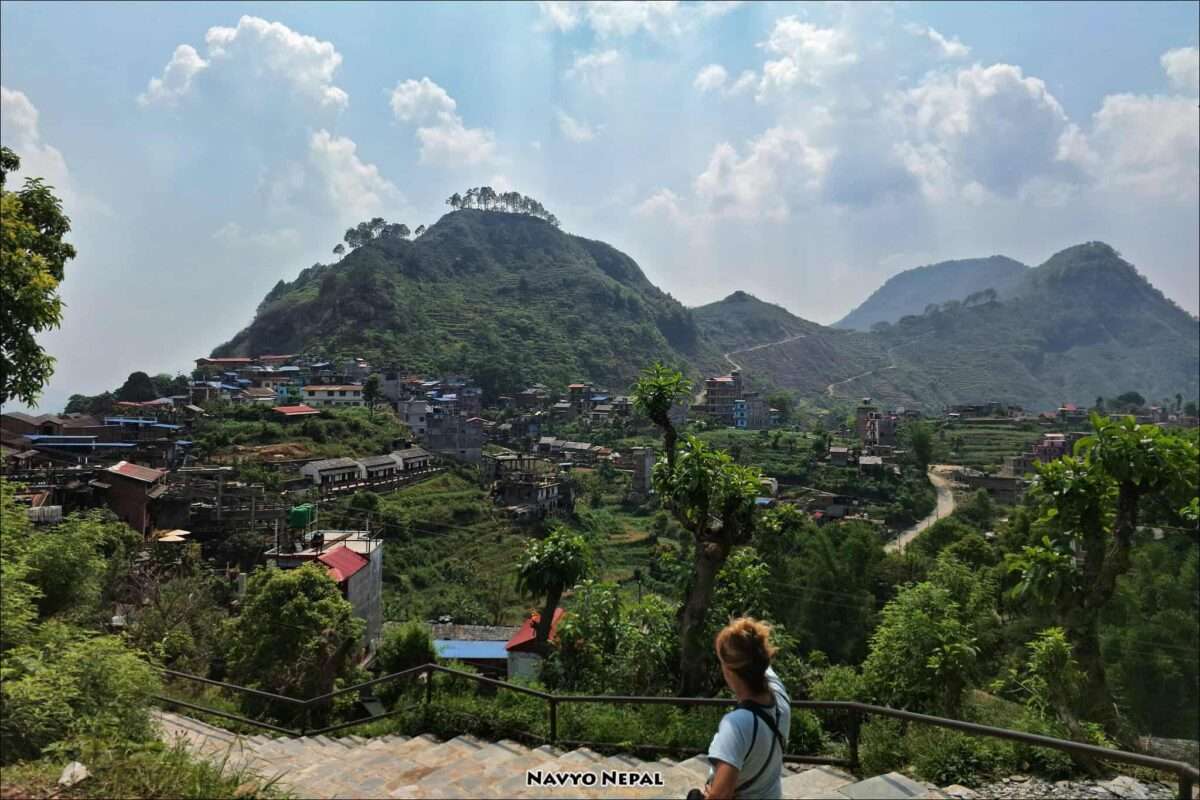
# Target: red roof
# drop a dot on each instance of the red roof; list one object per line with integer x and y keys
{"x": 526, "y": 635}
{"x": 136, "y": 471}
{"x": 295, "y": 411}
{"x": 342, "y": 562}
{"x": 1070, "y": 407}
{"x": 577, "y": 386}
{"x": 237, "y": 360}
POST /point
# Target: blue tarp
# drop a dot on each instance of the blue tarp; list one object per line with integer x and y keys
{"x": 453, "y": 648}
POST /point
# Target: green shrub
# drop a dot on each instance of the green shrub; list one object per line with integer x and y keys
{"x": 69, "y": 685}
{"x": 806, "y": 734}
{"x": 882, "y": 746}
{"x": 945, "y": 756}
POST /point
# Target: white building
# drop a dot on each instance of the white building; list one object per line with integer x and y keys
{"x": 330, "y": 396}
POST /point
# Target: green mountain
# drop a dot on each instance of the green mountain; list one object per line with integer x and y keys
{"x": 742, "y": 320}
{"x": 1083, "y": 324}
{"x": 511, "y": 299}
{"x": 911, "y": 291}
{"x": 508, "y": 298}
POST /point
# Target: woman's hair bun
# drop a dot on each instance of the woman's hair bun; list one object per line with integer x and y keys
{"x": 744, "y": 645}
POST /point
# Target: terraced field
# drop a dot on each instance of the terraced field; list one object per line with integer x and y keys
{"x": 984, "y": 446}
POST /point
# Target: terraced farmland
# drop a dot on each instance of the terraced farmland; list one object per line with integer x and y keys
{"x": 983, "y": 446}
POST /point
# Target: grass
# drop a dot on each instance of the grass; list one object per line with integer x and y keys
{"x": 152, "y": 770}
{"x": 985, "y": 446}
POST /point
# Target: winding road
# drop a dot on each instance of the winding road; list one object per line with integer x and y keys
{"x": 940, "y": 478}
{"x": 891, "y": 365}
{"x": 736, "y": 365}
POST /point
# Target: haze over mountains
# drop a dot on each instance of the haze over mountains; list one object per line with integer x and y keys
{"x": 512, "y": 299}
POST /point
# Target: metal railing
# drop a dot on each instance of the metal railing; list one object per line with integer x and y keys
{"x": 1188, "y": 776}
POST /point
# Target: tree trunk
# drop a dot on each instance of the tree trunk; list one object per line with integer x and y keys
{"x": 542, "y": 630}
{"x": 710, "y": 557}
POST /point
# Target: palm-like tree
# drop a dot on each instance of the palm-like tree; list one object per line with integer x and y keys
{"x": 549, "y": 566}
{"x": 420, "y": 229}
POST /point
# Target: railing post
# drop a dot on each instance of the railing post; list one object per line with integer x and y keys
{"x": 1185, "y": 786}
{"x": 553, "y": 719}
{"x": 428, "y": 694}
{"x": 855, "y": 727}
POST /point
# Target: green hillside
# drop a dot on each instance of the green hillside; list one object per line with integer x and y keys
{"x": 506, "y": 297}
{"x": 510, "y": 299}
{"x": 742, "y": 320}
{"x": 1084, "y": 324}
{"x": 912, "y": 290}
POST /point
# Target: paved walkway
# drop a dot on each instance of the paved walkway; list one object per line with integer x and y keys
{"x": 939, "y": 476}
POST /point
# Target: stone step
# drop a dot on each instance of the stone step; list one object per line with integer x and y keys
{"x": 818, "y": 782}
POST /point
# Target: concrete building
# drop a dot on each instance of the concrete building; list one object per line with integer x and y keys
{"x": 130, "y": 490}
{"x": 355, "y": 562}
{"x": 333, "y": 395}
{"x": 330, "y": 473}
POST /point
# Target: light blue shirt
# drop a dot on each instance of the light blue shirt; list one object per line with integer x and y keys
{"x": 732, "y": 744}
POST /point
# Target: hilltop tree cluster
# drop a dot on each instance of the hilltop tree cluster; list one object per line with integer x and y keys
{"x": 488, "y": 199}
{"x": 375, "y": 228}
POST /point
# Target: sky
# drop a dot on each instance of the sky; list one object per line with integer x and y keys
{"x": 801, "y": 152}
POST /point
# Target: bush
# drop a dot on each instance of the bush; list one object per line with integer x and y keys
{"x": 68, "y": 685}
{"x": 944, "y": 756}
{"x": 405, "y": 646}
{"x": 882, "y": 746}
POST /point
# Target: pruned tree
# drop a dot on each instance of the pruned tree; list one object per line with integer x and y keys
{"x": 1090, "y": 505}
{"x": 549, "y": 567}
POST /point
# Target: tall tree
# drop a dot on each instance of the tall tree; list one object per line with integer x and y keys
{"x": 656, "y": 391}
{"x": 339, "y": 249}
{"x": 372, "y": 391}
{"x": 420, "y": 230}
{"x": 455, "y": 201}
{"x": 713, "y": 498}
{"x": 549, "y": 567}
{"x": 32, "y": 259}
{"x": 1089, "y": 508}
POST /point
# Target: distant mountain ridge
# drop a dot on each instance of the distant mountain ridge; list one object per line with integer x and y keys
{"x": 511, "y": 299}
{"x": 909, "y": 292}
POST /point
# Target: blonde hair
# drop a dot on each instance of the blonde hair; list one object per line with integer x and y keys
{"x": 744, "y": 645}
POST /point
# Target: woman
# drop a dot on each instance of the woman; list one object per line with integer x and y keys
{"x": 746, "y": 755}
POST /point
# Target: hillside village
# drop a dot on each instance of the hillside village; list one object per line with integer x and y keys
{"x": 328, "y": 537}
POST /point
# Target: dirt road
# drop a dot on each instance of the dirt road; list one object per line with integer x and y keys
{"x": 940, "y": 478}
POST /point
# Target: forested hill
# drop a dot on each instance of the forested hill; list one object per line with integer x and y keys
{"x": 911, "y": 291}
{"x": 507, "y": 298}
{"x": 510, "y": 299}
{"x": 1083, "y": 324}
{"x": 742, "y": 320}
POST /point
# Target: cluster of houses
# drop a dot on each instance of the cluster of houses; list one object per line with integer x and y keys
{"x": 727, "y": 402}
{"x": 334, "y": 475}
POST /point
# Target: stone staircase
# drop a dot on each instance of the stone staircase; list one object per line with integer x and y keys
{"x": 466, "y": 767}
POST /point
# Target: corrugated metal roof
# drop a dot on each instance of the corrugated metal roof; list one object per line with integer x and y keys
{"x": 526, "y": 634}
{"x": 454, "y": 648}
{"x": 136, "y": 471}
{"x": 342, "y": 562}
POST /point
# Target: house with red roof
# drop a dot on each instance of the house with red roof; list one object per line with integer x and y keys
{"x": 524, "y": 661}
{"x": 131, "y": 490}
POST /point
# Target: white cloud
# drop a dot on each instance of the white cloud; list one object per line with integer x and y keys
{"x": 597, "y": 71}
{"x": 1183, "y": 68}
{"x": 1150, "y": 145}
{"x": 445, "y": 141}
{"x": 710, "y": 78}
{"x": 19, "y": 132}
{"x": 982, "y": 129}
{"x": 746, "y": 81}
{"x": 256, "y": 49}
{"x": 420, "y": 101}
{"x": 663, "y": 203}
{"x": 573, "y": 129}
{"x": 947, "y": 48}
{"x": 232, "y": 235}
{"x": 614, "y": 18}
{"x": 354, "y": 187}
{"x": 563, "y": 16}
{"x": 808, "y": 54}
{"x": 176, "y": 79}
{"x": 780, "y": 167}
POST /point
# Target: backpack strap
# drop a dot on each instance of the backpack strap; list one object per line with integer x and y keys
{"x": 759, "y": 713}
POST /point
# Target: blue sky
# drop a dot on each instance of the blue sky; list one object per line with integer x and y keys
{"x": 802, "y": 152}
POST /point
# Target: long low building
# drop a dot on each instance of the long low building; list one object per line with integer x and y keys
{"x": 332, "y": 473}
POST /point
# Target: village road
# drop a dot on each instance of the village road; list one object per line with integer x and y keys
{"x": 939, "y": 476}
